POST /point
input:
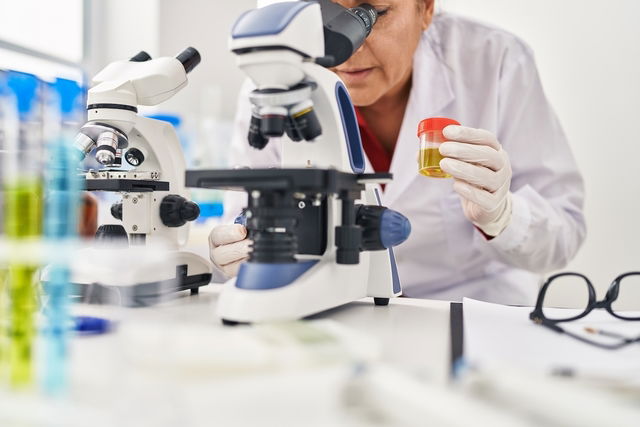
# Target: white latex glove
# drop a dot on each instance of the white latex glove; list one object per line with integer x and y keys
{"x": 229, "y": 248}
{"x": 482, "y": 174}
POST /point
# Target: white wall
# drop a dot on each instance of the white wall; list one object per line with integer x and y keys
{"x": 588, "y": 54}
{"x": 121, "y": 28}
{"x": 164, "y": 28}
{"x": 206, "y": 25}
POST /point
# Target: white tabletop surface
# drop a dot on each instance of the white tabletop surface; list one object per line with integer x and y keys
{"x": 413, "y": 334}
{"x": 175, "y": 364}
{"x": 131, "y": 377}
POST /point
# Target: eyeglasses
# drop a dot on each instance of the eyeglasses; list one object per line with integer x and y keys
{"x": 579, "y": 286}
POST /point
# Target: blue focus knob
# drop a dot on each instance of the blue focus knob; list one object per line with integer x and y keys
{"x": 395, "y": 228}
{"x": 382, "y": 228}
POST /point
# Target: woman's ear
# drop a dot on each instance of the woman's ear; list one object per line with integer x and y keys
{"x": 427, "y": 8}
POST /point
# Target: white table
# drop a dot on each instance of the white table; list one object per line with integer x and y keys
{"x": 137, "y": 375}
{"x": 413, "y": 333}
{"x": 129, "y": 377}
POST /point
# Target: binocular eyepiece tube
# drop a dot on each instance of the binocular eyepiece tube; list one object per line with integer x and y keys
{"x": 189, "y": 58}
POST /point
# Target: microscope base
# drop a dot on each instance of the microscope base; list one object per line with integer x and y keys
{"x": 325, "y": 286}
{"x": 139, "y": 294}
{"x": 132, "y": 278}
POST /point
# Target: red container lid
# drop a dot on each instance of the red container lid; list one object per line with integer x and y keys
{"x": 435, "y": 124}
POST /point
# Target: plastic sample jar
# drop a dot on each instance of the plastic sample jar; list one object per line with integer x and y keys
{"x": 430, "y": 134}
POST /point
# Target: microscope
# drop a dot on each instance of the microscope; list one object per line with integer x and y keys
{"x": 140, "y": 260}
{"x": 320, "y": 236}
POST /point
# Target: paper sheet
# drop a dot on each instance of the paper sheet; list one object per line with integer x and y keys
{"x": 496, "y": 335}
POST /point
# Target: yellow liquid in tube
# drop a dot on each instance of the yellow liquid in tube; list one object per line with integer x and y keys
{"x": 430, "y": 163}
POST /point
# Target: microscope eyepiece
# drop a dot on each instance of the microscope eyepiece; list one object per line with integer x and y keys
{"x": 345, "y": 30}
{"x": 189, "y": 58}
{"x": 367, "y": 14}
{"x": 141, "y": 56}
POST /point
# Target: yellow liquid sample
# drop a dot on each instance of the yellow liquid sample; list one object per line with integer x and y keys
{"x": 4, "y": 324}
{"x": 430, "y": 163}
{"x": 23, "y": 221}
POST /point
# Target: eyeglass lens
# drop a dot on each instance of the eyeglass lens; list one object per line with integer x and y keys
{"x": 566, "y": 292}
{"x": 628, "y": 297}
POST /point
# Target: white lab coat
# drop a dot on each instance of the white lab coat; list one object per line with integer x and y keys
{"x": 485, "y": 78}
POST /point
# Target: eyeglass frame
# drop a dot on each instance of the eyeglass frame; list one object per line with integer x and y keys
{"x": 538, "y": 317}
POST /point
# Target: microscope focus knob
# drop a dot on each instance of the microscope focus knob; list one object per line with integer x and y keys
{"x": 111, "y": 235}
{"x": 116, "y": 211}
{"x": 175, "y": 211}
{"x": 383, "y": 228}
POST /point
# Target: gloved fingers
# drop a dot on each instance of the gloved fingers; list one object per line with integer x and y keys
{"x": 225, "y": 234}
{"x": 471, "y": 136}
{"x": 476, "y": 175}
{"x": 227, "y": 254}
{"x": 231, "y": 270}
{"x": 472, "y": 153}
{"x": 485, "y": 200}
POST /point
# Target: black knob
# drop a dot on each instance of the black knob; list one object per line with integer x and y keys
{"x": 189, "y": 58}
{"x": 116, "y": 211}
{"x": 141, "y": 56}
{"x": 112, "y": 235}
{"x": 369, "y": 218}
{"x": 190, "y": 211}
{"x": 175, "y": 211}
{"x": 134, "y": 157}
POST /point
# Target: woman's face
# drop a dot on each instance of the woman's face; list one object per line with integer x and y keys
{"x": 384, "y": 63}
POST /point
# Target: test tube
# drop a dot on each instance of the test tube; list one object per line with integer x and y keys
{"x": 3, "y": 108}
{"x": 62, "y": 192}
{"x": 23, "y": 218}
{"x": 4, "y": 296}
{"x": 431, "y": 137}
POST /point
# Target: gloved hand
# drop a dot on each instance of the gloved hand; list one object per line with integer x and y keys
{"x": 229, "y": 247}
{"x": 482, "y": 174}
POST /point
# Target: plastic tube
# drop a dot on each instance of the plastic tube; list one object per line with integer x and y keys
{"x": 4, "y": 292}
{"x": 23, "y": 219}
{"x": 61, "y": 212}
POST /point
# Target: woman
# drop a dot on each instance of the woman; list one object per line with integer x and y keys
{"x": 514, "y": 208}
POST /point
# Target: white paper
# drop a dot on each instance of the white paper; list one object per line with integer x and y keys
{"x": 496, "y": 335}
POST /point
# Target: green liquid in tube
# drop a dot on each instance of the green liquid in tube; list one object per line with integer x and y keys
{"x": 23, "y": 213}
{"x": 4, "y": 319}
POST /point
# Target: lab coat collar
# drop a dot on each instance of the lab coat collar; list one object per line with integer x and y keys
{"x": 431, "y": 92}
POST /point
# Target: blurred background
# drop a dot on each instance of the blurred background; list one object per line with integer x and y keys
{"x": 588, "y": 57}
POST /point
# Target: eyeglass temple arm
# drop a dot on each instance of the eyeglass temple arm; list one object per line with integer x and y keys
{"x": 554, "y": 327}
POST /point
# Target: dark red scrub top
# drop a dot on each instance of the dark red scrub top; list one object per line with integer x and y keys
{"x": 378, "y": 156}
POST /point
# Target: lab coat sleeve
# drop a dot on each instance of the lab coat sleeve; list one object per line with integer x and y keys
{"x": 242, "y": 155}
{"x": 548, "y": 225}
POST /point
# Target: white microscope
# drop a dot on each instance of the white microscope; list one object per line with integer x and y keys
{"x": 320, "y": 237}
{"x": 141, "y": 260}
